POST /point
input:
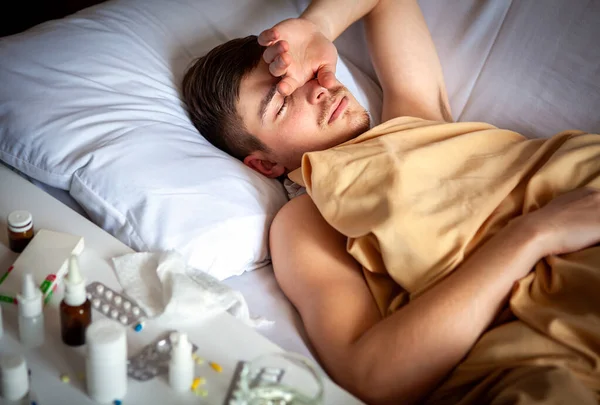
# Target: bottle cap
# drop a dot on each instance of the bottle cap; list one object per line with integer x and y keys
{"x": 106, "y": 342}
{"x": 75, "y": 293}
{"x": 20, "y": 221}
{"x": 14, "y": 377}
{"x": 30, "y": 299}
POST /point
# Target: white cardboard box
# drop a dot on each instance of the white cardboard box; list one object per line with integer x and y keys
{"x": 47, "y": 258}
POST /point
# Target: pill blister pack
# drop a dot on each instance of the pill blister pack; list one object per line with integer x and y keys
{"x": 114, "y": 304}
{"x": 154, "y": 358}
{"x": 270, "y": 375}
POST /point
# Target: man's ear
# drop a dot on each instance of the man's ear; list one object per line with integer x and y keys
{"x": 258, "y": 162}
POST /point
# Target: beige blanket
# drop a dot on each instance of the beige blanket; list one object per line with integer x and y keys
{"x": 416, "y": 197}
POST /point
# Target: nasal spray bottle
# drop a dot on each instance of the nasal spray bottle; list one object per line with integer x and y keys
{"x": 31, "y": 316}
{"x": 75, "y": 308}
{"x": 181, "y": 365}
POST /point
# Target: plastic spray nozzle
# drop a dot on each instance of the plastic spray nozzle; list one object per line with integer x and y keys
{"x": 29, "y": 290}
{"x": 75, "y": 286}
{"x": 30, "y": 299}
{"x": 181, "y": 345}
{"x": 183, "y": 342}
{"x": 74, "y": 276}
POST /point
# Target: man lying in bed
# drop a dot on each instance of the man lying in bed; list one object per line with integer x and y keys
{"x": 268, "y": 105}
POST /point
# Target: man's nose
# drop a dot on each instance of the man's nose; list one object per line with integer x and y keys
{"x": 316, "y": 92}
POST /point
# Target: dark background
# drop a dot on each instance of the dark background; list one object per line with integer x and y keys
{"x": 17, "y": 16}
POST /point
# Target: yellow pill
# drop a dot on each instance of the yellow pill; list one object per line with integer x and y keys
{"x": 195, "y": 384}
{"x": 65, "y": 378}
{"x": 201, "y": 392}
{"x": 197, "y": 359}
{"x": 216, "y": 367}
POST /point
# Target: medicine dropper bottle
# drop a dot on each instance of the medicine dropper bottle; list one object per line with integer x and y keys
{"x": 20, "y": 230}
{"x": 181, "y": 364}
{"x": 31, "y": 317}
{"x": 75, "y": 308}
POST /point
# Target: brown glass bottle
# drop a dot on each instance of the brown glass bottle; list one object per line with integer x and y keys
{"x": 20, "y": 230}
{"x": 75, "y": 308}
{"x": 74, "y": 322}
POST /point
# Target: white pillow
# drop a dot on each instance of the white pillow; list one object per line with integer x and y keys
{"x": 91, "y": 104}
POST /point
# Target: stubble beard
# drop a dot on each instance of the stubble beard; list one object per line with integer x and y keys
{"x": 359, "y": 125}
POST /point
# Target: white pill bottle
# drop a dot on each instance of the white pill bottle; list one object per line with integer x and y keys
{"x": 106, "y": 361}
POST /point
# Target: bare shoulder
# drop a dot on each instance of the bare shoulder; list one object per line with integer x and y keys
{"x": 301, "y": 205}
{"x": 302, "y": 245}
{"x": 299, "y": 224}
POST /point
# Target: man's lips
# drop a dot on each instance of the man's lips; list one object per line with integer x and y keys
{"x": 338, "y": 109}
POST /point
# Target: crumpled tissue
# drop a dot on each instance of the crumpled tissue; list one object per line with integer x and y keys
{"x": 171, "y": 292}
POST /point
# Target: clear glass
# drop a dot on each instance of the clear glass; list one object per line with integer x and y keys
{"x": 280, "y": 379}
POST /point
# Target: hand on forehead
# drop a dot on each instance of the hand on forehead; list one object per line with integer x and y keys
{"x": 297, "y": 51}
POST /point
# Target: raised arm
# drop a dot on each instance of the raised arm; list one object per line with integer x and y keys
{"x": 401, "y": 358}
{"x": 400, "y": 45}
{"x": 406, "y": 62}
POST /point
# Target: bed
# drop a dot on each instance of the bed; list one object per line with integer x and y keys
{"x": 90, "y": 112}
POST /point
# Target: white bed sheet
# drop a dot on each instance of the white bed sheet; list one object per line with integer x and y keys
{"x": 265, "y": 298}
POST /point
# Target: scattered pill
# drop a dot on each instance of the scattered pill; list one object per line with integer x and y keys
{"x": 198, "y": 381}
{"x": 201, "y": 392}
{"x": 199, "y": 360}
{"x": 135, "y": 310}
{"x": 123, "y": 319}
{"x": 100, "y": 288}
{"x": 65, "y": 378}
{"x": 105, "y": 308}
{"x": 108, "y": 294}
{"x": 138, "y": 327}
{"x": 117, "y": 402}
{"x": 118, "y": 300}
{"x": 127, "y": 305}
{"x": 216, "y": 367}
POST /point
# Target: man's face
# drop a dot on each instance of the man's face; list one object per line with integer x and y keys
{"x": 312, "y": 118}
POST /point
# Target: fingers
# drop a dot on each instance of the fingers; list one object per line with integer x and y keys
{"x": 273, "y": 51}
{"x": 280, "y": 65}
{"x": 287, "y": 86}
{"x": 326, "y": 77}
{"x": 268, "y": 37}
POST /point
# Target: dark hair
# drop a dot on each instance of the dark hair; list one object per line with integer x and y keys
{"x": 211, "y": 88}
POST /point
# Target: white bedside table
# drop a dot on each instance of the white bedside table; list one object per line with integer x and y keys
{"x": 222, "y": 338}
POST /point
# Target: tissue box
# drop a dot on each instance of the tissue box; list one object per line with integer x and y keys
{"x": 47, "y": 258}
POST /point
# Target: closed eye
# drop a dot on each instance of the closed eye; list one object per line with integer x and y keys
{"x": 285, "y": 101}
